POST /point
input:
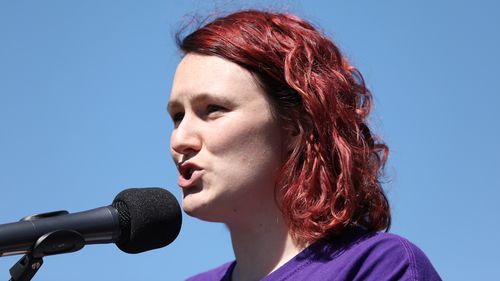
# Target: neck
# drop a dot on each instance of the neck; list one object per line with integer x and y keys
{"x": 261, "y": 245}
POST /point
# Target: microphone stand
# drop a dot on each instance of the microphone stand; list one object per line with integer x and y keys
{"x": 52, "y": 243}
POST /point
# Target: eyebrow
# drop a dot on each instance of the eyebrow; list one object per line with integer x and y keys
{"x": 199, "y": 98}
{"x": 171, "y": 105}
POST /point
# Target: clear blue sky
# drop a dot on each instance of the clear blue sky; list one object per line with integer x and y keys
{"x": 83, "y": 90}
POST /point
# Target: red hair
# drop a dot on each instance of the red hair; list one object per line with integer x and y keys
{"x": 330, "y": 180}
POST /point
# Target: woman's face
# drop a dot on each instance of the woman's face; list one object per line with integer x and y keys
{"x": 226, "y": 142}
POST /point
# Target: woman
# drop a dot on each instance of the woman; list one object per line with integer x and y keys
{"x": 271, "y": 138}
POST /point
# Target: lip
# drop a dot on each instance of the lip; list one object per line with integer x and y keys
{"x": 195, "y": 175}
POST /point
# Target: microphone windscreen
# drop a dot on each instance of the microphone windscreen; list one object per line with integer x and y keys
{"x": 150, "y": 218}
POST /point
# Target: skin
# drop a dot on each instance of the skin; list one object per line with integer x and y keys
{"x": 223, "y": 123}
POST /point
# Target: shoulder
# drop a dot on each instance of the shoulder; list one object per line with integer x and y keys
{"x": 359, "y": 256}
{"x": 384, "y": 256}
{"x": 216, "y": 274}
{"x": 387, "y": 245}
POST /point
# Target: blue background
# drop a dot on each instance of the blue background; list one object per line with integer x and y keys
{"x": 83, "y": 90}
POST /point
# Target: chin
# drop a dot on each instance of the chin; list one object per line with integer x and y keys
{"x": 194, "y": 206}
{"x": 204, "y": 216}
{"x": 201, "y": 210}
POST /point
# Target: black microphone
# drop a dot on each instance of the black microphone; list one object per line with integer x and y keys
{"x": 138, "y": 220}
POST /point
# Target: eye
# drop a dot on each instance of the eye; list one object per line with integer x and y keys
{"x": 214, "y": 109}
{"x": 177, "y": 117}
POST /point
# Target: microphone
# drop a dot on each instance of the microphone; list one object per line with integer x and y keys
{"x": 138, "y": 220}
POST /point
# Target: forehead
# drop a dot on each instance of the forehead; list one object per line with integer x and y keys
{"x": 210, "y": 75}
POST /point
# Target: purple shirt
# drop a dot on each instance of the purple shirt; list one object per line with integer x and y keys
{"x": 358, "y": 256}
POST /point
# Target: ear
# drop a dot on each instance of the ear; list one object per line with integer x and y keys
{"x": 292, "y": 139}
{"x": 296, "y": 130}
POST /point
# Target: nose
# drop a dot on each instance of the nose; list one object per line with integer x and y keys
{"x": 185, "y": 139}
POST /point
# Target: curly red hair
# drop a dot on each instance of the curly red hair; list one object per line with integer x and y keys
{"x": 330, "y": 180}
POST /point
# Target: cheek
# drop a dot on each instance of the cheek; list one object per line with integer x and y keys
{"x": 248, "y": 155}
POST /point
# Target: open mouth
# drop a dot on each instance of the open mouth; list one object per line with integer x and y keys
{"x": 187, "y": 173}
{"x": 187, "y": 170}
